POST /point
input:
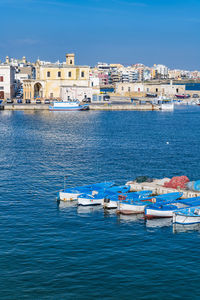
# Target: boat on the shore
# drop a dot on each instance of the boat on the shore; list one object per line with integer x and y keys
{"x": 68, "y": 106}
{"x": 187, "y": 216}
{"x": 71, "y": 194}
{"x": 183, "y": 96}
{"x": 130, "y": 206}
{"x": 165, "y": 210}
{"x": 111, "y": 202}
{"x": 98, "y": 197}
{"x": 165, "y": 103}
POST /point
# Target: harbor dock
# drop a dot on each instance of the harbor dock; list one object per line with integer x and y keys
{"x": 159, "y": 189}
{"x": 105, "y": 106}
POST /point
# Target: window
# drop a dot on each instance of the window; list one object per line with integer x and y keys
{"x": 177, "y": 90}
{"x": 156, "y": 90}
{"x": 71, "y": 62}
{"x": 70, "y": 74}
{"x": 82, "y": 74}
{"x": 1, "y": 88}
{"x": 147, "y": 89}
{"x": 1, "y": 78}
{"x": 59, "y": 74}
{"x": 122, "y": 88}
{"x": 48, "y": 74}
{"x": 129, "y": 89}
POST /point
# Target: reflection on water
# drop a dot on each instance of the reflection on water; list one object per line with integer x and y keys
{"x": 162, "y": 222}
{"x": 66, "y": 204}
{"x": 130, "y": 218}
{"x": 88, "y": 209}
{"x": 178, "y": 228}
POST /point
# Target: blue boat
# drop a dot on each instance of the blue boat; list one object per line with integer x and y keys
{"x": 187, "y": 216}
{"x": 132, "y": 206}
{"x": 111, "y": 202}
{"x": 165, "y": 210}
{"x": 97, "y": 198}
{"x": 73, "y": 193}
{"x": 68, "y": 106}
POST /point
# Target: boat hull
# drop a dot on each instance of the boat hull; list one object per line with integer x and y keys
{"x": 185, "y": 220}
{"x": 131, "y": 209}
{"x": 110, "y": 205}
{"x": 68, "y": 196}
{"x": 81, "y": 107}
{"x": 153, "y": 213}
{"x": 89, "y": 202}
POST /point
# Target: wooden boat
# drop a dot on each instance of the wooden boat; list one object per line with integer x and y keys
{"x": 139, "y": 206}
{"x": 112, "y": 202}
{"x": 73, "y": 193}
{"x": 187, "y": 216}
{"x": 165, "y": 210}
{"x": 96, "y": 198}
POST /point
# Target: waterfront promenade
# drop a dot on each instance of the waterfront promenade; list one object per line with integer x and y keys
{"x": 103, "y": 106}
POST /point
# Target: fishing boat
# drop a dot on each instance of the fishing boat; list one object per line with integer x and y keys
{"x": 183, "y": 96}
{"x": 97, "y": 198}
{"x": 131, "y": 206}
{"x": 68, "y": 106}
{"x": 165, "y": 210}
{"x": 71, "y": 194}
{"x": 165, "y": 103}
{"x": 111, "y": 201}
{"x": 187, "y": 216}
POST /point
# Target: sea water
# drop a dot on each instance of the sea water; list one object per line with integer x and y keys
{"x": 51, "y": 251}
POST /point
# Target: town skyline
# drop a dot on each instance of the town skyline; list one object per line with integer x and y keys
{"x": 112, "y": 31}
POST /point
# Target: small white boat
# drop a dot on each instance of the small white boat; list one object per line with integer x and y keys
{"x": 165, "y": 210}
{"x": 71, "y": 194}
{"x": 112, "y": 202}
{"x": 187, "y": 216}
{"x": 68, "y": 106}
{"x": 132, "y": 206}
{"x": 165, "y": 103}
{"x": 97, "y": 198}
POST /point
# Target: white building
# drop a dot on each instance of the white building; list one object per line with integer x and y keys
{"x": 77, "y": 92}
{"x": 7, "y": 77}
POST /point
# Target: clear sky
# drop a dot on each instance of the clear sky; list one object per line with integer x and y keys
{"x": 115, "y": 31}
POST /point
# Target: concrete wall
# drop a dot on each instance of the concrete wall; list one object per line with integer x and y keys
{"x": 79, "y": 93}
{"x": 140, "y": 89}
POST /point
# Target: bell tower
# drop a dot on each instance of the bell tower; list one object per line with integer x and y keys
{"x": 70, "y": 59}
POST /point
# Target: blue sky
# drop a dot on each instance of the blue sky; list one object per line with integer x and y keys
{"x": 115, "y": 31}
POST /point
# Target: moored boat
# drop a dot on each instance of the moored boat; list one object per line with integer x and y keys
{"x": 139, "y": 206}
{"x": 112, "y": 202}
{"x": 98, "y": 197}
{"x": 165, "y": 210}
{"x": 73, "y": 193}
{"x": 187, "y": 216}
{"x": 68, "y": 106}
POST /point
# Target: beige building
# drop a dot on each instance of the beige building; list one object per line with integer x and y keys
{"x": 51, "y": 77}
{"x": 141, "y": 89}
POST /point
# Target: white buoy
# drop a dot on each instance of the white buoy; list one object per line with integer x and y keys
{"x": 167, "y": 143}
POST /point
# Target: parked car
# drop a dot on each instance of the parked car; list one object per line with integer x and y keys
{"x": 28, "y": 101}
{"x": 38, "y": 101}
{"x": 195, "y": 96}
{"x": 19, "y": 100}
{"x": 8, "y": 100}
{"x": 87, "y": 100}
{"x": 106, "y": 98}
{"x": 46, "y": 101}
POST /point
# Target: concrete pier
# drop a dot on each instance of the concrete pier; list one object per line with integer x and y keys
{"x": 26, "y": 107}
{"x": 159, "y": 189}
{"x": 105, "y": 106}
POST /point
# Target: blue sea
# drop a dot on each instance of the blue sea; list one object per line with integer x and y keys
{"x": 51, "y": 251}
